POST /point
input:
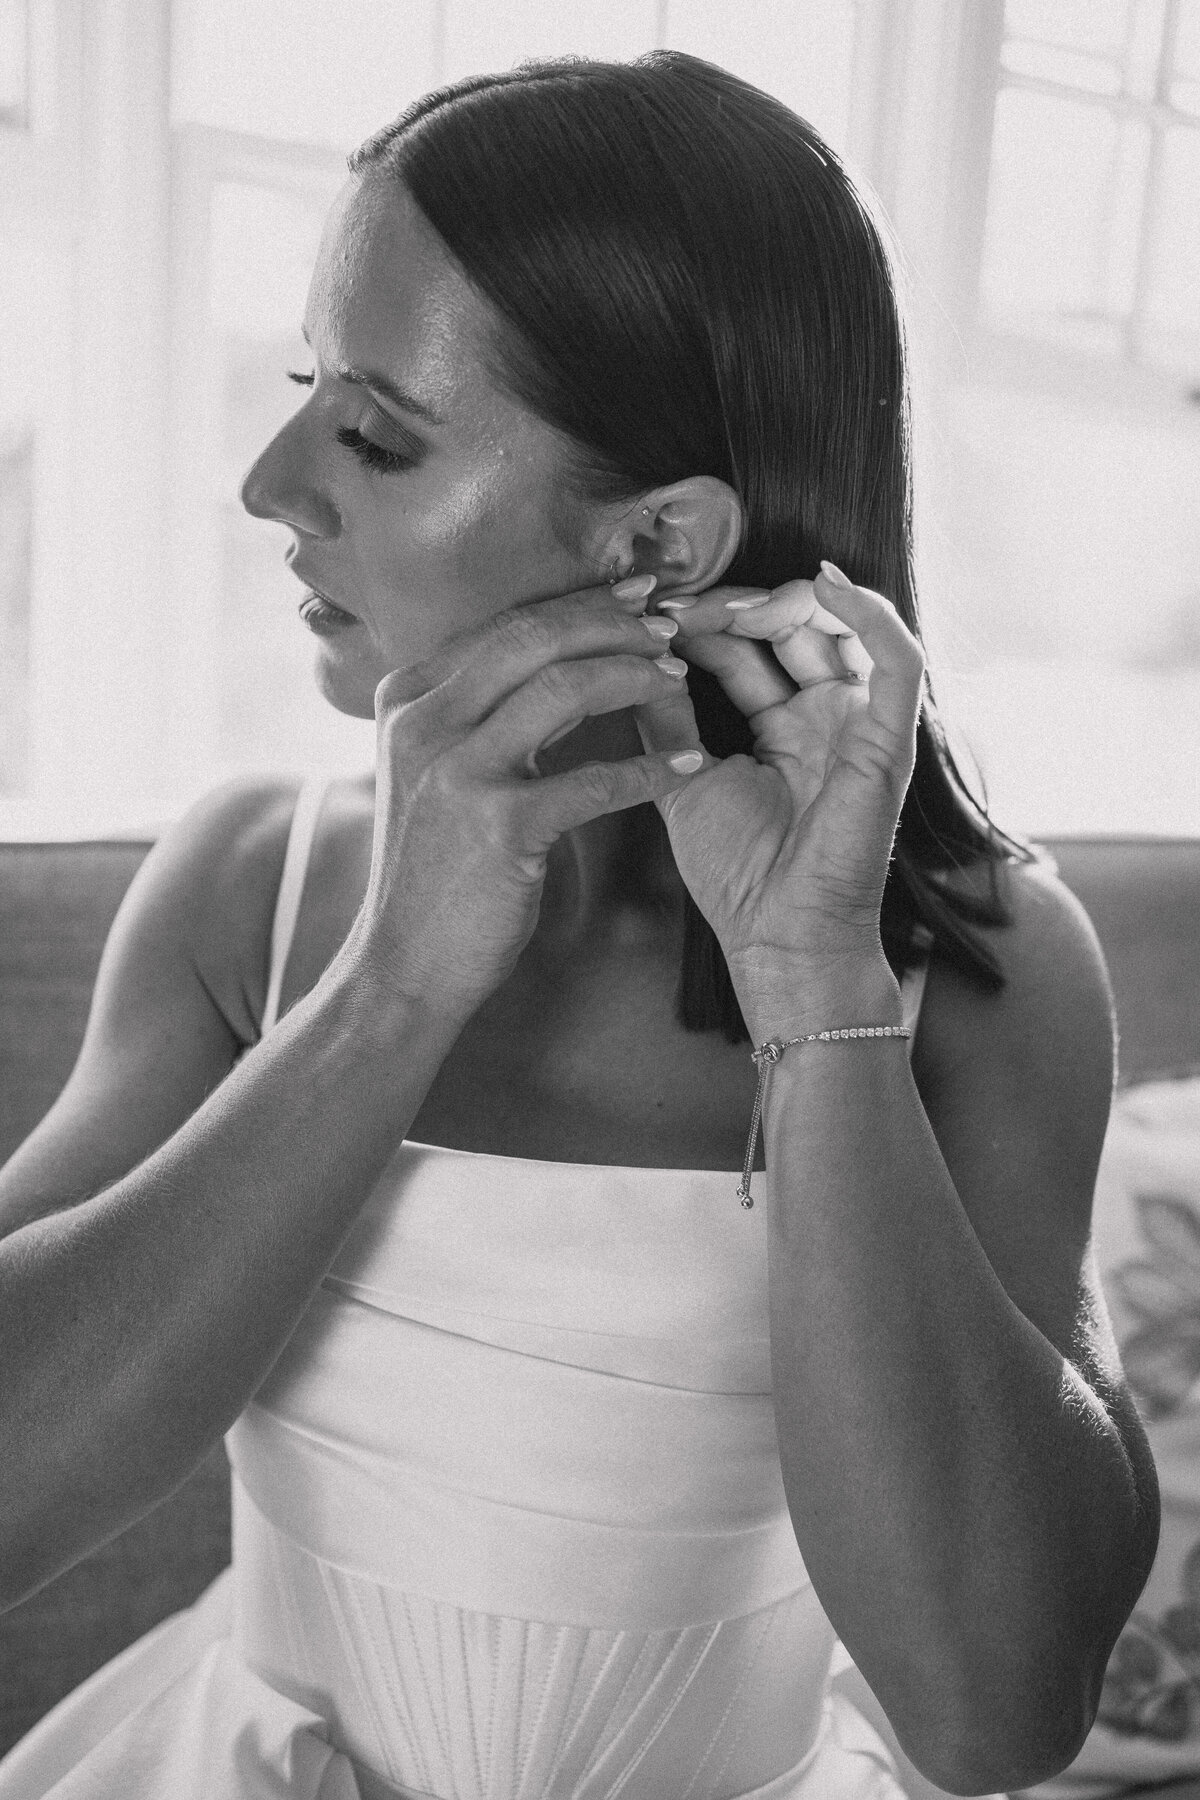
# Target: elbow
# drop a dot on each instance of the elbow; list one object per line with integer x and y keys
{"x": 991, "y": 1762}
{"x": 1006, "y": 1738}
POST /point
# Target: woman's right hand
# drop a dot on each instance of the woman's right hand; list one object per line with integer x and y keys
{"x": 463, "y": 821}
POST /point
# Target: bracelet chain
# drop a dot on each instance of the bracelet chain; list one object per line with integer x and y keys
{"x": 772, "y": 1050}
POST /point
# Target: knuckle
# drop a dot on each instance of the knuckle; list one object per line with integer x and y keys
{"x": 597, "y": 782}
{"x": 521, "y": 632}
{"x": 557, "y": 683}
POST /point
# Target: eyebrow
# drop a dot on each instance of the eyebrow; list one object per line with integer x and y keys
{"x": 383, "y": 384}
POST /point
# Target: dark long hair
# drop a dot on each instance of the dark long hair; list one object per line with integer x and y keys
{"x": 689, "y": 282}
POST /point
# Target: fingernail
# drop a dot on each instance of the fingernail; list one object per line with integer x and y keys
{"x": 675, "y": 605}
{"x": 745, "y": 605}
{"x": 671, "y": 665}
{"x": 635, "y": 587}
{"x": 687, "y": 761}
{"x": 660, "y": 628}
{"x": 832, "y": 573}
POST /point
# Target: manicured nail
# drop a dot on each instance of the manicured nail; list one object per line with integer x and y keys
{"x": 687, "y": 761}
{"x": 660, "y": 628}
{"x": 675, "y": 605}
{"x": 671, "y": 665}
{"x": 832, "y": 573}
{"x": 747, "y": 603}
{"x": 635, "y": 587}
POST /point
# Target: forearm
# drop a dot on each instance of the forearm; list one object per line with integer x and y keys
{"x": 961, "y": 1497}
{"x": 136, "y": 1324}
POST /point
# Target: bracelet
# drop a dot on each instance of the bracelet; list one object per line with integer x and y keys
{"x": 773, "y": 1049}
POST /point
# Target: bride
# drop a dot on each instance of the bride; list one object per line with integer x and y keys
{"x": 413, "y": 1145}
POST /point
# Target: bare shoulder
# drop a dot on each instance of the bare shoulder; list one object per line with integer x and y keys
{"x": 1017, "y": 1086}
{"x": 1055, "y": 989}
{"x": 172, "y": 1005}
{"x": 232, "y": 845}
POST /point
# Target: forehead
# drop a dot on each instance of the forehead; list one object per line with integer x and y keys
{"x": 386, "y": 294}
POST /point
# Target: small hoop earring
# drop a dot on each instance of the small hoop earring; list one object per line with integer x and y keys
{"x": 614, "y": 570}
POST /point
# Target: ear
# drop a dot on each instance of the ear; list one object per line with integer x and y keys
{"x": 687, "y": 534}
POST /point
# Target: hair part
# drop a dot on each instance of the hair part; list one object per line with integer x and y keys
{"x": 688, "y": 281}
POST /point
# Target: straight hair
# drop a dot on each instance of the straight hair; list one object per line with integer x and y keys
{"x": 688, "y": 281}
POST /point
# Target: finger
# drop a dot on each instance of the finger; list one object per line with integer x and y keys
{"x": 670, "y": 723}
{"x": 748, "y": 672}
{"x": 469, "y": 675}
{"x": 809, "y": 653}
{"x": 897, "y": 659}
{"x": 561, "y": 695}
{"x": 561, "y": 803}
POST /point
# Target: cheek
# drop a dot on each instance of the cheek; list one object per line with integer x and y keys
{"x": 487, "y": 539}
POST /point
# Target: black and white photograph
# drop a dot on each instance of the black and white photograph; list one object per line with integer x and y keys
{"x": 599, "y": 899}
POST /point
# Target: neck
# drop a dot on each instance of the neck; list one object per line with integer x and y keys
{"x": 614, "y": 875}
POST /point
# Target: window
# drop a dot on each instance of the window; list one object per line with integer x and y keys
{"x": 14, "y": 67}
{"x": 161, "y": 191}
{"x": 1062, "y": 543}
{"x": 1093, "y": 212}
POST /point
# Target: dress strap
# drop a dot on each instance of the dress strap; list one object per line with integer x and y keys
{"x": 291, "y": 886}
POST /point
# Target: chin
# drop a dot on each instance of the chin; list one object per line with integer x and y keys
{"x": 345, "y": 689}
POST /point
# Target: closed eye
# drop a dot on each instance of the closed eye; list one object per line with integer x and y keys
{"x": 375, "y": 456}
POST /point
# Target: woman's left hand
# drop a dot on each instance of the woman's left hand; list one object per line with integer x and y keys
{"x": 786, "y": 852}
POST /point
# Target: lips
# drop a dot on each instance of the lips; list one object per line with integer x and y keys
{"x": 318, "y": 605}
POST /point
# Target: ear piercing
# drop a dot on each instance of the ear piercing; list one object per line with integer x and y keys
{"x": 615, "y": 571}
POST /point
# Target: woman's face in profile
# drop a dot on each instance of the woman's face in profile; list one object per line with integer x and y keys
{"x": 421, "y": 496}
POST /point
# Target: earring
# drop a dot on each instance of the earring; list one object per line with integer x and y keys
{"x": 615, "y": 570}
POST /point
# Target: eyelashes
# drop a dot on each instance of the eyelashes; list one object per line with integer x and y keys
{"x": 374, "y": 456}
{"x": 388, "y": 462}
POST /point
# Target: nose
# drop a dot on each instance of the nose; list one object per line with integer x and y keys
{"x": 283, "y": 484}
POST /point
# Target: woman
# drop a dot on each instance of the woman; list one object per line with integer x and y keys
{"x": 556, "y": 1468}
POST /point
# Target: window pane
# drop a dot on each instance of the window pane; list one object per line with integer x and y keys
{"x": 1064, "y": 209}
{"x": 315, "y": 73}
{"x": 1186, "y": 58}
{"x": 1172, "y": 330}
{"x": 270, "y": 714}
{"x": 1065, "y": 607}
{"x": 1100, "y": 26}
{"x": 16, "y": 539}
{"x": 1095, "y": 73}
{"x": 1184, "y": 89}
{"x": 1102, "y": 48}
{"x": 807, "y": 65}
{"x": 14, "y": 64}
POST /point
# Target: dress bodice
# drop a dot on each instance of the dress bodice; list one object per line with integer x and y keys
{"x": 525, "y": 1435}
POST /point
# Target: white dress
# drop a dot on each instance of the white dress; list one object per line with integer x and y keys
{"x": 509, "y": 1522}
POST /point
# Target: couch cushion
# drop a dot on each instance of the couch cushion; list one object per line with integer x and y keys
{"x": 57, "y": 902}
{"x": 1143, "y": 897}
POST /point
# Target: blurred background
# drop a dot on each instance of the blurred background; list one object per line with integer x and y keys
{"x": 164, "y": 167}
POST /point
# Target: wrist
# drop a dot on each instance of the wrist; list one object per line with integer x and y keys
{"x": 786, "y": 994}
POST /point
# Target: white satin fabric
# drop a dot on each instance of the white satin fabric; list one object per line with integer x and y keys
{"x": 509, "y": 1524}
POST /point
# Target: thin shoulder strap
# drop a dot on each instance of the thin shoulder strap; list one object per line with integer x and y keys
{"x": 291, "y": 886}
{"x": 912, "y": 985}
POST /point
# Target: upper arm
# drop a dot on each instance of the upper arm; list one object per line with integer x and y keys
{"x": 169, "y": 1012}
{"x": 1017, "y": 1087}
